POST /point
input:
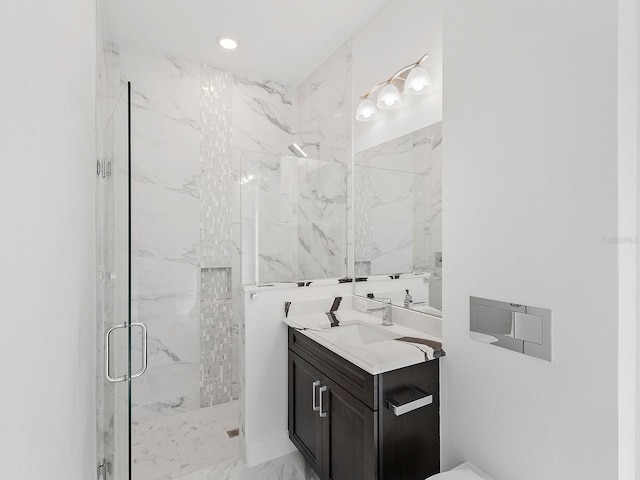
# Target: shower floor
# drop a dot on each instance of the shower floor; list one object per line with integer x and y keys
{"x": 202, "y": 445}
{"x": 171, "y": 447}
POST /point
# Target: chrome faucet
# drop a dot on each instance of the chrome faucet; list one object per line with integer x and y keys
{"x": 385, "y": 309}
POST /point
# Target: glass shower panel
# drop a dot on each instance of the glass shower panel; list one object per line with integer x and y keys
{"x": 294, "y": 218}
{"x": 113, "y": 295}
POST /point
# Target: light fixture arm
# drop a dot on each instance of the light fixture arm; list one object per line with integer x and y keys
{"x": 395, "y": 76}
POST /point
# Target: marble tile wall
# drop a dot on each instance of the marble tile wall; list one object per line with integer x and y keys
{"x": 185, "y": 116}
{"x": 192, "y": 127}
{"x": 324, "y": 108}
{"x": 324, "y": 119}
{"x": 322, "y": 219}
{"x": 165, "y": 213}
{"x": 264, "y": 123}
{"x": 293, "y": 218}
{"x": 269, "y": 217}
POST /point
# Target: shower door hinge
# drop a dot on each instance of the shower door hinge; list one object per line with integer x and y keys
{"x": 103, "y": 168}
{"x": 104, "y": 468}
{"x": 102, "y": 472}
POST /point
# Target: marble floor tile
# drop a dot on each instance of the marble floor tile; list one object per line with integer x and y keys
{"x": 172, "y": 447}
{"x": 289, "y": 467}
{"x": 196, "y": 446}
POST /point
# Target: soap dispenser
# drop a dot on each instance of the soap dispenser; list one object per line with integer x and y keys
{"x": 408, "y": 299}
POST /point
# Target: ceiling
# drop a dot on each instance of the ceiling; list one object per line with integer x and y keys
{"x": 281, "y": 40}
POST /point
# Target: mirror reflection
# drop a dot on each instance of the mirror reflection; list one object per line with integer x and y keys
{"x": 398, "y": 220}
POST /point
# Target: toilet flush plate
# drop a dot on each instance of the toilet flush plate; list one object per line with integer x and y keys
{"x": 518, "y": 327}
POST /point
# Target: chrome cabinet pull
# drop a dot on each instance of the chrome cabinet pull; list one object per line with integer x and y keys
{"x": 143, "y": 327}
{"x": 322, "y": 390}
{"x": 107, "y": 351}
{"x": 314, "y": 386}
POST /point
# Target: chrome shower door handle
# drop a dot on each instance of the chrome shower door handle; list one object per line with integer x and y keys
{"x": 315, "y": 385}
{"x": 143, "y": 327}
{"x": 107, "y": 356}
{"x": 322, "y": 390}
{"x": 107, "y": 351}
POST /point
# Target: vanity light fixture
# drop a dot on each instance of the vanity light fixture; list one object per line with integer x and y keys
{"x": 413, "y": 79}
{"x": 227, "y": 43}
{"x": 367, "y": 110}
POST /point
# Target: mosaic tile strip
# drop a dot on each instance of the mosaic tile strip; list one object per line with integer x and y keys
{"x": 216, "y": 312}
{"x": 217, "y": 167}
{"x": 216, "y": 337}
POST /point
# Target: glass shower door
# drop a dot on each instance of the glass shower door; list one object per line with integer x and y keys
{"x": 114, "y": 325}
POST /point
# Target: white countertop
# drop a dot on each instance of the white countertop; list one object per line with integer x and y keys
{"x": 374, "y": 358}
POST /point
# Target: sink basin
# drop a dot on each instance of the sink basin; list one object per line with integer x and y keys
{"x": 358, "y": 334}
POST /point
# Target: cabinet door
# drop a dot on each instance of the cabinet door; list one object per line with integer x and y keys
{"x": 305, "y": 426}
{"x": 349, "y": 436}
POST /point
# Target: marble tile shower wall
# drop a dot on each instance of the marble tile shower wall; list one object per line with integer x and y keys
{"x": 322, "y": 221}
{"x": 269, "y": 219}
{"x": 264, "y": 125}
{"x": 293, "y": 218}
{"x": 264, "y": 122}
{"x": 324, "y": 119}
{"x": 191, "y": 125}
{"x": 165, "y": 210}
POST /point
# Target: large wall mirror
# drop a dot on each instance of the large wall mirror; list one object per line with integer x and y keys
{"x": 398, "y": 220}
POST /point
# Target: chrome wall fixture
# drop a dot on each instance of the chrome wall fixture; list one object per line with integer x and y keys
{"x": 298, "y": 150}
{"x": 517, "y": 327}
{"x": 412, "y": 79}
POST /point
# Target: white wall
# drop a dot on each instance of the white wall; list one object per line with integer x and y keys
{"x": 398, "y": 35}
{"x": 47, "y": 348}
{"x": 627, "y": 234}
{"x": 530, "y": 193}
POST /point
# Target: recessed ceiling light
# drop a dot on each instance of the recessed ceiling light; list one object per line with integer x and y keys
{"x": 227, "y": 43}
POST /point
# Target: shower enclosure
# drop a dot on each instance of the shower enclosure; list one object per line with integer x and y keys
{"x": 211, "y": 204}
{"x": 114, "y": 366}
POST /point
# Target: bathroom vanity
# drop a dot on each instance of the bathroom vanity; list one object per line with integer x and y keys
{"x": 363, "y": 406}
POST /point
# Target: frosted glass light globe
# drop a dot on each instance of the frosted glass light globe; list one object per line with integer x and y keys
{"x": 389, "y": 98}
{"x": 366, "y": 111}
{"x": 417, "y": 81}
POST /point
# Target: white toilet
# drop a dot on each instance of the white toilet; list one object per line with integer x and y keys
{"x": 466, "y": 471}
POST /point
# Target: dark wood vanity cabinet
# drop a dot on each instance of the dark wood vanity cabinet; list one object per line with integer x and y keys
{"x": 341, "y": 420}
